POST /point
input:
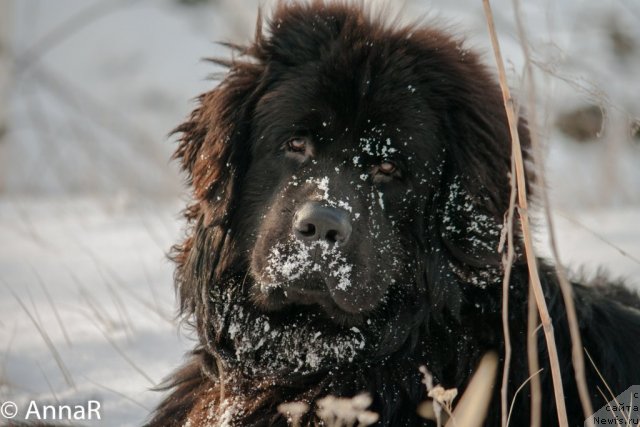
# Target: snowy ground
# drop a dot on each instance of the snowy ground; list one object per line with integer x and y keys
{"x": 86, "y": 290}
{"x": 88, "y": 280}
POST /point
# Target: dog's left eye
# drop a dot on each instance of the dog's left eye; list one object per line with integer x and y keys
{"x": 297, "y": 144}
{"x": 385, "y": 171}
{"x": 387, "y": 167}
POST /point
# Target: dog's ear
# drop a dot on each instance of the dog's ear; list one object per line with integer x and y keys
{"x": 479, "y": 149}
{"x": 214, "y": 141}
{"x": 480, "y": 158}
{"x": 475, "y": 189}
{"x": 480, "y": 141}
{"x": 214, "y": 152}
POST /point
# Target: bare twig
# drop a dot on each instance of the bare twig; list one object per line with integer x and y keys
{"x": 5, "y": 384}
{"x": 51, "y": 389}
{"x": 65, "y": 30}
{"x": 601, "y": 238}
{"x": 565, "y": 286}
{"x": 51, "y": 153}
{"x": 513, "y": 400}
{"x": 473, "y": 406}
{"x": 30, "y": 228}
{"x": 605, "y": 399}
{"x": 152, "y": 291}
{"x": 45, "y": 337}
{"x": 52, "y": 305}
{"x": 122, "y": 353}
{"x": 97, "y": 311}
{"x": 507, "y": 262}
{"x": 604, "y": 381}
{"x": 588, "y": 88}
{"x": 533, "y": 360}
{"x": 118, "y": 303}
{"x": 526, "y": 229}
{"x": 103, "y": 115}
{"x": 118, "y": 393}
{"x": 143, "y": 301}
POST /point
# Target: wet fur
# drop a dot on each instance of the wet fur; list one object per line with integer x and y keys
{"x": 449, "y": 313}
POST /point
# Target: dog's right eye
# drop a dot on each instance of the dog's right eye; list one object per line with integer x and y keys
{"x": 297, "y": 144}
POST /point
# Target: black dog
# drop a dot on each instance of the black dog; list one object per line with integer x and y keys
{"x": 350, "y": 181}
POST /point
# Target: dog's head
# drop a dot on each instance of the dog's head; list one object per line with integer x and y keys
{"x": 350, "y": 181}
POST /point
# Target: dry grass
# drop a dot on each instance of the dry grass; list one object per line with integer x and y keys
{"x": 442, "y": 399}
{"x": 533, "y": 361}
{"x": 45, "y": 337}
{"x": 524, "y": 223}
{"x": 333, "y": 411}
{"x": 472, "y": 407}
{"x": 294, "y": 411}
{"x": 507, "y": 262}
{"x": 346, "y": 412}
{"x": 565, "y": 286}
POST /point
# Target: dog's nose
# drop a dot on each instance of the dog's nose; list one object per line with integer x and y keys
{"x": 316, "y": 222}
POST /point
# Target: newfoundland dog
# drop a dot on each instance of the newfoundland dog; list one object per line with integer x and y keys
{"x": 350, "y": 183}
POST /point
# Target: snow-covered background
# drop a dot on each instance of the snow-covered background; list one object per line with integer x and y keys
{"x": 89, "y": 202}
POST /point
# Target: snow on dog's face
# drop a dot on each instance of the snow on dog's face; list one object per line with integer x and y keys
{"x": 335, "y": 199}
{"x": 341, "y": 173}
{"x": 350, "y": 182}
{"x": 343, "y": 196}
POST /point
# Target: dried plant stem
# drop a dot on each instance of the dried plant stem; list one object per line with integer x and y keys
{"x": 123, "y": 354}
{"x": 600, "y": 237}
{"x": 565, "y": 286}
{"x": 507, "y": 262}
{"x": 533, "y": 360}
{"x": 53, "y": 306}
{"x": 526, "y": 229}
{"x": 531, "y": 377}
{"x": 45, "y": 337}
{"x": 118, "y": 393}
{"x": 67, "y": 29}
{"x": 473, "y": 406}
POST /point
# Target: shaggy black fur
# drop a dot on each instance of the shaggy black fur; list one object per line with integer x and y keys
{"x": 404, "y": 132}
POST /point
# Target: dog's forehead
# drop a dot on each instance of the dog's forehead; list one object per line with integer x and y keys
{"x": 383, "y": 123}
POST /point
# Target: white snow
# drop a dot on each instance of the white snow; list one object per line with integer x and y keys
{"x": 294, "y": 259}
{"x": 92, "y": 276}
{"x": 85, "y": 278}
{"x": 288, "y": 347}
{"x": 592, "y": 239}
{"x": 322, "y": 184}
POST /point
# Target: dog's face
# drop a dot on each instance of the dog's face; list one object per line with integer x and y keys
{"x": 330, "y": 203}
{"x": 350, "y": 182}
{"x": 339, "y": 178}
